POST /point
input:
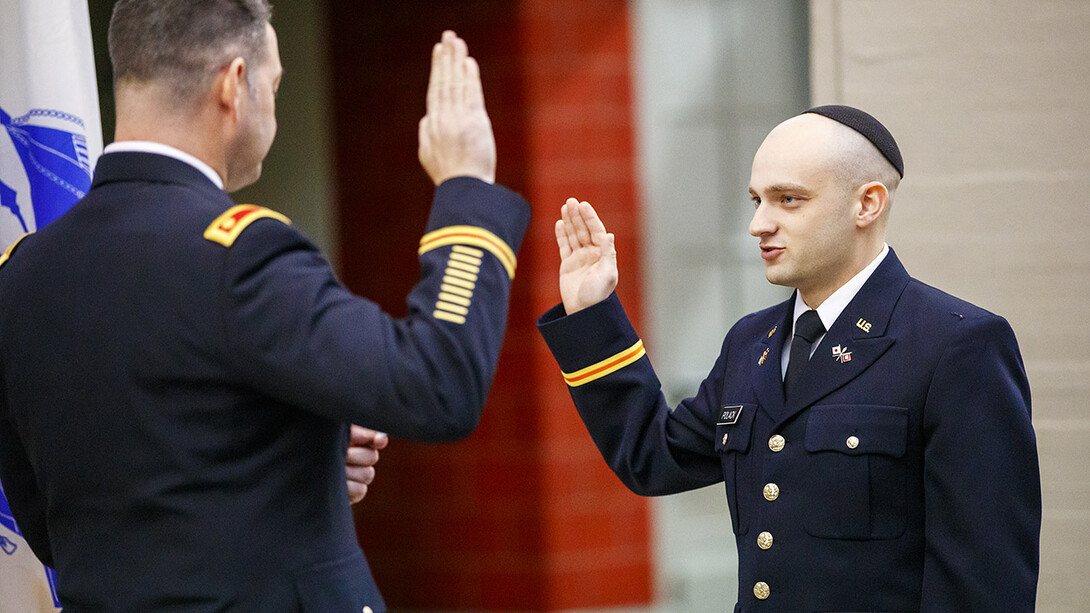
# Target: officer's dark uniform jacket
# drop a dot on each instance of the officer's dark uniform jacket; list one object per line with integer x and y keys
{"x": 903, "y": 478}
{"x": 178, "y": 374}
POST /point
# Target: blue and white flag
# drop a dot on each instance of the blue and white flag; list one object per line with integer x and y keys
{"x": 51, "y": 132}
{"x": 50, "y": 139}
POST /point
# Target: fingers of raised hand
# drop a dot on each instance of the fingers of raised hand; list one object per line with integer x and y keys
{"x": 474, "y": 92}
{"x": 434, "y": 77}
{"x": 459, "y": 54}
{"x": 446, "y": 67}
{"x": 449, "y": 77}
{"x": 562, "y": 239}
{"x": 594, "y": 224}
{"x": 586, "y": 227}
{"x": 567, "y": 214}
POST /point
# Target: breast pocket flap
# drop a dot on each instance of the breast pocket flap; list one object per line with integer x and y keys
{"x": 858, "y": 429}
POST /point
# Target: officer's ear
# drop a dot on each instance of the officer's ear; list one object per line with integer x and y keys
{"x": 873, "y": 200}
{"x": 231, "y": 88}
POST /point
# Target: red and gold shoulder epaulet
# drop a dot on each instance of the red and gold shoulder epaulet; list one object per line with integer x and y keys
{"x": 10, "y": 249}
{"x": 226, "y": 228}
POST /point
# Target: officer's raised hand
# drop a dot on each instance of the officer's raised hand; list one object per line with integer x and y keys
{"x": 455, "y": 134}
{"x": 588, "y": 259}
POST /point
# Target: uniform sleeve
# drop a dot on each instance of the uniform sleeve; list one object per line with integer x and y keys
{"x": 25, "y": 500}
{"x": 653, "y": 449}
{"x": 293, "y": 331}
{"x": 982, "y": 486}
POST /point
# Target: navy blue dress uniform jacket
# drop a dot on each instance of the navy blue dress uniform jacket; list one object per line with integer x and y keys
{"x": 903, "y": 478}
{"x": 178, "y": 375}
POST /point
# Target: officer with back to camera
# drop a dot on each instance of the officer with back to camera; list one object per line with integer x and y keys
{"x": 178, "y": 373}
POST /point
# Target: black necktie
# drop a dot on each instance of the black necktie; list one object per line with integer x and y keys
{"x": 807, "y": 330}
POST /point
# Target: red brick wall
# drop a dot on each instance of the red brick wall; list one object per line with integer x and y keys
{"x": 523, "y": 515}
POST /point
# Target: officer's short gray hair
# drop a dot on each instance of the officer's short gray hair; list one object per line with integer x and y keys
{"x": 185, "y": 43}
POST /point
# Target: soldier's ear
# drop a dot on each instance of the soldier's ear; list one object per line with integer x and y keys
{"x": 231, "y": 87}
{"x": 873, "y": 199}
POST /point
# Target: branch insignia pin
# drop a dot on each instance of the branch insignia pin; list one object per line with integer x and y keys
{"x": 841, "y": 354}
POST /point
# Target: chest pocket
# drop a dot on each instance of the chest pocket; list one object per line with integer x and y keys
{"x": 856, "y": 471}
{"x": 732, "y": 440}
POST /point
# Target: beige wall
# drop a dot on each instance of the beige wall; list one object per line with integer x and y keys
{"x": 988, "y": 100}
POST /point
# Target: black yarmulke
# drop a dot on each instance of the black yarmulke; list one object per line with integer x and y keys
{"x": 868, "y": 126}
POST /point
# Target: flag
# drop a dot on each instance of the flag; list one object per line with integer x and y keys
{"x": 51, "y": 137}
{"x": 52, "y": 134}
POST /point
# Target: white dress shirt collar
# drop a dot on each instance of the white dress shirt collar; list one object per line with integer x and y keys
{"x": 833, "y": 306}
{"x": 142, "y": 146}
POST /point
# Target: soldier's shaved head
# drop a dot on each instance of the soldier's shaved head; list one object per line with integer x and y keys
{"x": 833, "y": 146}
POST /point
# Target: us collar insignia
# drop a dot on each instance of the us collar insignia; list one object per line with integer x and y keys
{"x": 772, "y": 331}
{"x": 761, "y": 362}
{"x": 841, "y": 354}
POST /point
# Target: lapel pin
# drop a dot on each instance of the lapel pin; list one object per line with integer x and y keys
{"x": 772, "y": 331}
{"x": 842, "y": 354}
{"x": 863, "y": 325}
{"x": 761, "y": 362}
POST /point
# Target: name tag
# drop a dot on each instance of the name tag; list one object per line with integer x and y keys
{"x": 728, "y": 416}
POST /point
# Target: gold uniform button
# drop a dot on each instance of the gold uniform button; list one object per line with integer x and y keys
{"x": 367, "y": 610}
{"x": 852, "y": 442}
{"x": 764, "y": 540}
{"x": 726, "y": 435}
{"x": 760, "y": 590}
{"x": 771, "y": 491}
{"x": 776, "y": 443}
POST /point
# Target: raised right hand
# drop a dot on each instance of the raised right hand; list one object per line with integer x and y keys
{"x": 455, "y": 134}
{"x": 588, "y": 259}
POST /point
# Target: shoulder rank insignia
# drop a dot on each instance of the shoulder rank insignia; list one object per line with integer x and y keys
{"x": 7, "y": 252}
{"x": 226, "y": 228}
